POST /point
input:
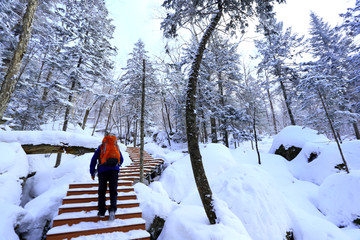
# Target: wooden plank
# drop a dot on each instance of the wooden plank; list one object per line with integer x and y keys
{"x": 71, "y": 221}
{"x": 94, "y": 199}
{"x": 47, "y": 148}
{"x": 69, "y": 235}
{"x": 95, "y": 207}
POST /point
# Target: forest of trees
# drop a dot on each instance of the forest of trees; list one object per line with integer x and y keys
{"x": 57, "y": 68}
{"x": 67, "y": 73}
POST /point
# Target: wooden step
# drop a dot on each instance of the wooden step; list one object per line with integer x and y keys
{"x": 95, "y": 184}
{"x": 81, "y": 229}
{"x": 94, "y": 190}
{"x": 75, "y": 218}
{"x": 129, "y": 178}
{"x": 78, "y": 207}
{"x": 94, "y": 197}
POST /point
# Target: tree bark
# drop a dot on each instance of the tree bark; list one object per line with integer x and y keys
{"x": 356, "y": 130}
{"x": 98, "y": 117}
{"x": 10, "y": 80}
{"x": 142, "y": 122}
{"x": 292, "y": 120}
{"x": 164, "y": 120}
{"x": 191, "y": 127}
{"x": 135, "y": 132}
{"x": 333, "y": 131}
{"x": 272, "y": 109}
{"x": 222, "y": 103}
{"x": 213, "y": 130}
{"x": 255, "y": 136}
{"x": 109, "y": 116}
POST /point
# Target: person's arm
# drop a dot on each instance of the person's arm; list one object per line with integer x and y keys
{"x": 93, "y": 162}
{"x": 121, "y": 159}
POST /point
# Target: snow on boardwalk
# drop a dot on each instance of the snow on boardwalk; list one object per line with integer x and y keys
{"x": 78, "y": 218}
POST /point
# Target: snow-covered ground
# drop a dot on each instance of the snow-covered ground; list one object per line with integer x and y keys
{"x": 260, "y": 202}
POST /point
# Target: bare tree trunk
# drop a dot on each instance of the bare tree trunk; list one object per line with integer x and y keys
{"x": 164, "y": 120}
{"x": 205, "y": 130}
{"x": 223, "y": 121}
{"x": 98, "y": 117}
{"x": 168, "y": 116}
{"x": 191, "y": 127}
{"x": 10, "y": 80}
{"x": 255, "y": 136}
{"x": 272, "y": 111}
{"x": 213, "y": 130}
{"x": 292, "y": 120}
{"x": 109, "y": 116}
{"x": 87, "y": 112}
{"x": 142, "y": 122}
{"x": 128, "y": 125}
{"x": 356, "y": 130}
{"x": 333, "y": 131}
{"x": 135, "y": 132}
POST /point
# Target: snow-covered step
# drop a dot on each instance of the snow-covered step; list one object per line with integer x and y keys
{"x": 129, "y": 178}
{"x": 133, "y": 171}
{"x": 94, "y": 197}
{"x": 95, "y": 184}
{"x": 94, "y": 190}
{"x": 89, "y": 206}
{"x": 91, "y": 216}
{"x": 91, "y": 228}
{"x": 135, "y": 167}
{"x": 131, "y": 235}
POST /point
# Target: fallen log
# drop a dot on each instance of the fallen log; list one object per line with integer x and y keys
{"x": 47, "y": 148}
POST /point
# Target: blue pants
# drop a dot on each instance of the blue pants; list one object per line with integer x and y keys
{"x": 110, "y": 177}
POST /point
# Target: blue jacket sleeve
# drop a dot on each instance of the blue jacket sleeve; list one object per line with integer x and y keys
{"x": 121, "y": 159}
{"x": 94, "y": 160}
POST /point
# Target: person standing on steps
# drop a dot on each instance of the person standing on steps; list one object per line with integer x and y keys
{"x": 106, "y": 161}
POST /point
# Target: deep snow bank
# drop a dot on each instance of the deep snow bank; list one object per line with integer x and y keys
{"x": 13, "y": 167}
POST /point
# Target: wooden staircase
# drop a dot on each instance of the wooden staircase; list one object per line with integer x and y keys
{"x": 77, "y": 215}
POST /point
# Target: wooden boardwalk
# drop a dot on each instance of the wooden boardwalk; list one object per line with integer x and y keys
{"x": 77, "y": 215}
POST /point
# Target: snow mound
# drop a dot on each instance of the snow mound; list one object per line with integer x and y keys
{"x": 296, "y": 136}
{"x": 154, "y": 201}
{"x": 339, "y": 198}
{"x": 190, "y": 222}
{"x": 13, "y": 166}
{"x": 251, "y": 195}
{"x": 328, "y": 156}
{"x": 178, "y": 179}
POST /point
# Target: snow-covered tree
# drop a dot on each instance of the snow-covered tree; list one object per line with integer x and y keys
{"x": 351, "y": 25}
{"x": 277, "y": 50}
{"x": 131, "y": 85}
{"x": 180, "y": 13}
{"x": 323, "y": 87}
{"x": 10, "y": 77}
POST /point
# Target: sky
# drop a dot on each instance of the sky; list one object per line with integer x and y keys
{"x": 140, "y": 19}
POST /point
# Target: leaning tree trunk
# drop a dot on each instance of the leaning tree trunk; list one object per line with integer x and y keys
{"x": 142, "y": 117}
{"x": 333, "y": 130}
{"x": 109, "y": 117}
{"x": 292, "y": 119}
{"x": 191, "y": 127}
{"x": 10, "y": 80}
